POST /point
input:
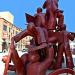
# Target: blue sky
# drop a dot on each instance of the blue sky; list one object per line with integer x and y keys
{"x": 19, "y": 7}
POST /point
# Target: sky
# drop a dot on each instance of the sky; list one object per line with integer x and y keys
{"x": 19, "y": 7}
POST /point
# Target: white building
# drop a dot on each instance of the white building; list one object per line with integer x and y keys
{"x": 7, "y": 16}
{"x": 72, "y": 44}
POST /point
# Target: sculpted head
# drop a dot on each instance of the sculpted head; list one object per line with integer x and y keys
{"x": 39, "y": 10}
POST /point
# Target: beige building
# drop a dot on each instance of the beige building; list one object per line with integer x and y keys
{"x": 9, "y": 30}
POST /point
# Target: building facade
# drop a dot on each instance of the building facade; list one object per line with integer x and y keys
{"x": 7, "y": 31}
{"x": 72, "y": 46}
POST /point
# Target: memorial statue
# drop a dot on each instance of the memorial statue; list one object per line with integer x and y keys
{"x": 50, "y": 40}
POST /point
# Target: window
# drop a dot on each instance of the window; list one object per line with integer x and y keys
{"x": 11, "y": 34}
{"x": 6, "y": 21}
{"x": 13, "y": 31}
{"x": 4, "y": 27}
{"x": 9, "y": 37}
{"x": 9, "y": 29}
{"x": 74, "y": 45}
{"x": 16, "y": 32}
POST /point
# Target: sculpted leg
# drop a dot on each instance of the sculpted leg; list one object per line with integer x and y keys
{"x": 17, "y": 63}
{"x": 69, "y": 59}
{"x": 52, "y": 56}
{"x": 16, "y": 59}
{"x": 59, "y": 57}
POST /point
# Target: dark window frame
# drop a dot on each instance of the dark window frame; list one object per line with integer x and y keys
{"x": 4, "y": 27}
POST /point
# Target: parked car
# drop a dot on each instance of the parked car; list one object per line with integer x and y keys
{"x": 25, "y": 50}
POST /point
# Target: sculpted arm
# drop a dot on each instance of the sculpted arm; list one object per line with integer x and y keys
{"x": 17, "y": 38}
{"x": 14, "y": 55}
{"x": 33, "y": 48}
{"x": 20, "y": 36}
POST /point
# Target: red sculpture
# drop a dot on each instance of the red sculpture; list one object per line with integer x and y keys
{"x": 39, "y": 18}
{"x": 52, "y": 12}
{"x": 43, "y": 51}
{"x": 38, "y": 35}
{"x": 63, "y": 46}
{"x": 61, "y": 71}
{"x": 41, "y": 66}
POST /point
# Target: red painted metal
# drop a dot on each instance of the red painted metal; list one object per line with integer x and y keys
{"x": 62, "y": 71}
{"x": 44, "y": 53}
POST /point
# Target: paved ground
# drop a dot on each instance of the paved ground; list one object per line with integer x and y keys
{"x": 12, "y": 72}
